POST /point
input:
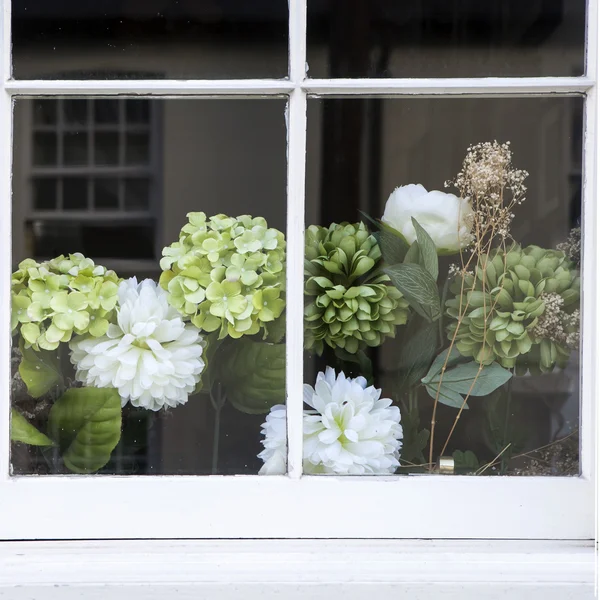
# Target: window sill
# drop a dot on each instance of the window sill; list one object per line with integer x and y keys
{"x": 315, "y": 569}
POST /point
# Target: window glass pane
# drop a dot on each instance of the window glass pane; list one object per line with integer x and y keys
{"x": 205, "y": 350}
{"x": 75, "y": 148}
{"x": 436, "y": 38}
{"x": 44, "y": 194}
{"x": 153, "y": 39}
{"x": 507, "y": 306}
{"x": 45, "y": 150}
{"x": 75, "y": 110}
{"x": 137, "y": 149}
{"x": 75, "y": 193}
{"x": 106, "y": 148}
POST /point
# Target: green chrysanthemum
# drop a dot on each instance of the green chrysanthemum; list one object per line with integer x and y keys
{"x": 349, "y": 304}
{"x": 226, "y": 273}
{"x": 54, "y": 299}
{"x": 520, "y": 309}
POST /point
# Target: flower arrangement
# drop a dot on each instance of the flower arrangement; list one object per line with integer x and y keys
{"x": 214, "y": 325}
{"x": 146, "y": 344}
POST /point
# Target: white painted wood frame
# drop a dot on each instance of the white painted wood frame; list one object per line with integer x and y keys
{"x": 296, "y": 506}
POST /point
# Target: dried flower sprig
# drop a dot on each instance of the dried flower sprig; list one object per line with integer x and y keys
{"x": 572, "y": 247}
{"x": 493, "y": 186}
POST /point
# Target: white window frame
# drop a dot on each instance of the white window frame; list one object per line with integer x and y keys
{"x": 296, "y": 506}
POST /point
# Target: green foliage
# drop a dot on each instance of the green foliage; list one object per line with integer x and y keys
{"x": 393, "y": 245}
{"x": 349, "y": 303}
{"x": 466, "y": 462}
{"x": 21, "y": 430}
{"x": 55, "y": 299}
{"x": 226, "y": 273}
{"x": 427, "y": 250}
{"x": 86, "y": 424}
{"x": 418, "y": 287}
{"x": 40, "y": 371}
{"x": 461, "y": 379}
{"x": 253, "y": 375}
{"x": 417, "y": 352}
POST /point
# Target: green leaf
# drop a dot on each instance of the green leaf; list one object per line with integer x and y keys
{"x": 393, "y": 246}
{"x": 417, "y": 352}
{"x": 253, "y": 375}
{"x": 446, "y": 396}
{"x": 40, "y": 371}
{"x": 359, "y": 358}
{"x": 418, "y": 287}
{"x": 21, "y": 430}
{"x": 413, "y": 256}
{"x": 484, "y": 382}
{"x": 86, "y": 423}
{"x": 465, "y": 461}
{"x": 454, "y": 357}
{"x": 428, "y": 251}
{"x": 414, "y": 441}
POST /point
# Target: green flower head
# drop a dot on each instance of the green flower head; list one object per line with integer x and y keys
{"x": 520, "y": 308}
{"x": 55, "y": 299}
{"x": 349, "y": 303}
{"x": 222, "y": 271}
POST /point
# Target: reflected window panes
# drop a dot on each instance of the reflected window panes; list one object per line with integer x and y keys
{"x": 149, "y": 39}
{"x": 388, "y": 309}
{"x": 205, "y": 357}
{"x": 435, "y": 38}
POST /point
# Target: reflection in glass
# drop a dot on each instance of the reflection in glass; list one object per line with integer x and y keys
{"x": 388, "y": 308}
{"x": 106, "y": 148}
{"x": 45, "y": 149}
{"x": 75, "y": 149}
{"x": 430, "y": 38}
{"x": 197, "y": 351}
{"x": 149, "y": 39}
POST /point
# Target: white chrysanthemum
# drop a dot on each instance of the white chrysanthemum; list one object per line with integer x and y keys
{"x": 275, "y": 442}
{"x": 150, "y": 356}
{"x": 350, "y": 430}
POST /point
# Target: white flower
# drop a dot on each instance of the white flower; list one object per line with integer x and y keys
{"x": 349, "y": 431}
{"x": 151, "y": 356}
{"x": 275, "y": 453}
{"x": 446, "y": 218}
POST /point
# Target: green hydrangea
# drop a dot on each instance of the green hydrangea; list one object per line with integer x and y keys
{"x": 54, "y": 299}
{"x": 349, "y": 304}
{"x": 523, "y": 311}
{"x": 226, "y": 273}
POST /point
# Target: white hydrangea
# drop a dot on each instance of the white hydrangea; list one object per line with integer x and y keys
{"x": 349, "y": 430}
{"x": 150, "y": 356}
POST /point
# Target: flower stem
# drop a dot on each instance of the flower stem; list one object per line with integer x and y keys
{"x": 505, "y": 458}
{"x": 218, "y": 402}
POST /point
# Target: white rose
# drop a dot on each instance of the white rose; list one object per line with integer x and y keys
{"x": 446, "y": 218}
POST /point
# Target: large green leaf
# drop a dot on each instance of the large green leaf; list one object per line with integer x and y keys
{"x": 446, "y": 396}
{"x": 428, "y": 251}
{"x": 469, "y": 379}
{"x": 40, "y": 371}
{"x": 86, "y": 423}
{"x": 393, "y": 245}
{"x": 413, "y": 256}
{"x": 418, "y": 287}
{"x": 453, "y": 356}
{"x": 253, "y": 375}
{"x": 21, "y": 430}
{"x": 417, "y": 352}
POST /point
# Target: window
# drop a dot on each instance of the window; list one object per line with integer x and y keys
{"x": 314, "y": 278}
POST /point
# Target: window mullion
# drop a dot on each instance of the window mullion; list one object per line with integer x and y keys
{"x": 296, "y": 154}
